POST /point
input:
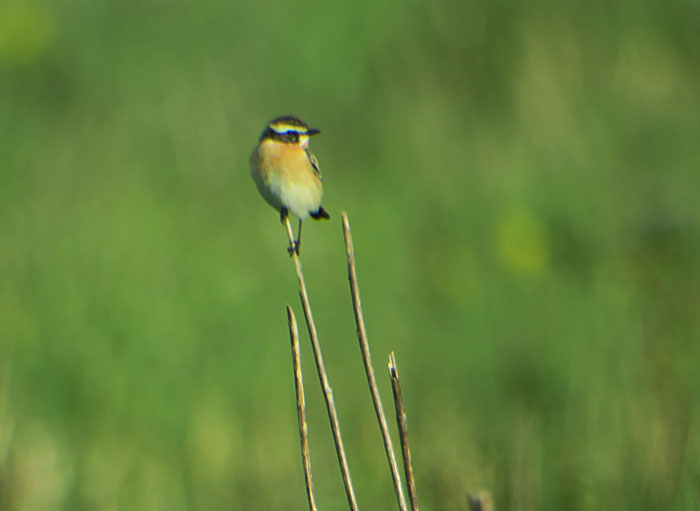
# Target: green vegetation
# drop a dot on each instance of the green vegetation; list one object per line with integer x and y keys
{"x": 523, "y": 184}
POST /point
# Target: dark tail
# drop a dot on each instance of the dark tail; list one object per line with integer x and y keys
{"x": 321, "y": 213}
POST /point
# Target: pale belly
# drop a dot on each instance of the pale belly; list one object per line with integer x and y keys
{"x": 293, "y": 186}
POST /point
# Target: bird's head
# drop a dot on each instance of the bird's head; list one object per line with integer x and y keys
{"x": 288, "y": 130}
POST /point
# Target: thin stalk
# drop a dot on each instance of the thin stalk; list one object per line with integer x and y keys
{"x": 403, "y": 431}
{"x": 327, "y": 392}
{"x": 369, "y": 370}
{"x": 301, "y": 408}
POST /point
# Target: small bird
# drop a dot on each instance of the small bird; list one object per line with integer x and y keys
{"x": 287, "y": 173}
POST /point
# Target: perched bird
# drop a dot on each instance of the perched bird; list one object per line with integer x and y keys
{"x": 287, "y": 173}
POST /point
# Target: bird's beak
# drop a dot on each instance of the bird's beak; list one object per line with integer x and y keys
{"x": 313, "y": 131}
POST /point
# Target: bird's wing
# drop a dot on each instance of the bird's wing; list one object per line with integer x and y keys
{"x": 314, "y": 164}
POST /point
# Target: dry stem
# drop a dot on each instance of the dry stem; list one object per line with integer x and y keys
{"x": 367, "y": 359}
{"x": 327, "y": 392}
{"x": 301, "y": 408}
{"x": 403, "y": 431}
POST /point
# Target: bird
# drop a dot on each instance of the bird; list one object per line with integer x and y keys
{"x": 287, "y": 173}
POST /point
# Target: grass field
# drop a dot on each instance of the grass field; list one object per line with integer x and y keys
{"x": 523, "y": 185}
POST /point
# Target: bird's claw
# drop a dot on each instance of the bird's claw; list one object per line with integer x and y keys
{"x": 293, "y": 248}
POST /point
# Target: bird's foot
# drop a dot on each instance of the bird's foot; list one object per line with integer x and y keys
{"x": 293, "y": 248}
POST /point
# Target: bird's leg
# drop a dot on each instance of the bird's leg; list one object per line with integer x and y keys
{"x": 284, "y": 217}
{"x": 297, "y": 244}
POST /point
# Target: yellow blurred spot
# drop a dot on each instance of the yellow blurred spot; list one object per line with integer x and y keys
{"x": 41, "y": 473}
{"x": 523, "y": 241}
{"x": 107, "y": 464}
{"x": 26, "y": 31}
{"x": 210, "y": 441}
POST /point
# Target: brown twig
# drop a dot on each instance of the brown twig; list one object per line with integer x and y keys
{"x": 367, "y": 359}
{"x": 327, "y": 392}
{"x": 403, "y": 431}
{"x": 301, "y": 408}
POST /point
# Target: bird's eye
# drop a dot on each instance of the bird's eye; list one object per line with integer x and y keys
{"x": 293, "y": 136}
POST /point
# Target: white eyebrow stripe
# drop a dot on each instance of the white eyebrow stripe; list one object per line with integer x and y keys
{"x": 282, "y": 129}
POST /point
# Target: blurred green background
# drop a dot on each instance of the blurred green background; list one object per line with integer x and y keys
{"x": 522, "y": 182}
